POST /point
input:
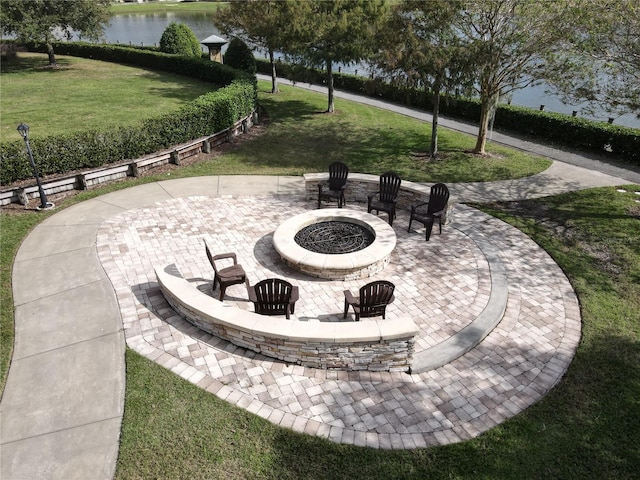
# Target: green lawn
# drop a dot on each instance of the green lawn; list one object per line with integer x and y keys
{"x": 166, "y": 6}
{"x": 587, "y": 427}
{"x": 301, "y": 138}
{"x": 86, "y": 94}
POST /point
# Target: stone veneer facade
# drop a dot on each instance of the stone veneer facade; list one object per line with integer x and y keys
{"x": 372, "y": 345}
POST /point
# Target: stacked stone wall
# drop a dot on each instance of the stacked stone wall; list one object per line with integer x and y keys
{"x": 365, "y": 345}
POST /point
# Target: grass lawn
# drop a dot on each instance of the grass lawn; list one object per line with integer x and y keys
{"x": 165, "y": 6}
{"x": 302, "y": 138}
{"x": 587, "y": 427}
{"x": 86, "y": 94}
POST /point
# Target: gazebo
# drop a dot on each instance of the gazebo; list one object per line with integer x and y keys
{"x": 214, "y": 43}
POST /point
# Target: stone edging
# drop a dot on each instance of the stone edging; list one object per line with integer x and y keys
{"x": 470, "y": 336}
{"x": 376, "y": 345}
{"x": 133, "y": 168}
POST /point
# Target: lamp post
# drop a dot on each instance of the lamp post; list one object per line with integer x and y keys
{"x": 23, "y": 128}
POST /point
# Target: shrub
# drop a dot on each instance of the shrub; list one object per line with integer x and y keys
{"x": 179, "y": 39}
{"x": 621, "y": 143}
{"x": 240, "y": 57}
{"x": 207, "y": 114}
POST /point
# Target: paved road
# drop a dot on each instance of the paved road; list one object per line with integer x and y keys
{"x": 588, "y": 161}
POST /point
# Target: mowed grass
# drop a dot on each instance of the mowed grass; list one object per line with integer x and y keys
{"x": 587, "y": 427}
{"x": 302, "y": 138}
{"x": 86, "y": 94}
{"x": 165, "y": 7}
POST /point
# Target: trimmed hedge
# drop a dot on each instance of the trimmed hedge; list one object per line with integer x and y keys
{"x": 622, "y": 143}
{"x": 209, "y": 113}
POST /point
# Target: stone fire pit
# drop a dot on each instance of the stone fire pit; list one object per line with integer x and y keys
{"x": 336, "y": 266}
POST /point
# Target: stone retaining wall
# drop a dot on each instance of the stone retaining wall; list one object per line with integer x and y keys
{"x": 374, "y": 345}
{"x": 131, "y": 168}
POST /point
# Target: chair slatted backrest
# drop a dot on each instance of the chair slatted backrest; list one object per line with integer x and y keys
{"x": 389, "y": 187}
{"x": 438, "y": 198}
{"x": 338, "y": 173}
{"x": 273, "y": 296}
{"x": 374, "y": 297}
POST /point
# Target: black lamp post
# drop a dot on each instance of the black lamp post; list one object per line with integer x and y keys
{"x": 23, "y": 128}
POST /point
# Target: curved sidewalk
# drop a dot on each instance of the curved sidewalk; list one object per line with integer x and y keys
{"x": 63, "y": 403}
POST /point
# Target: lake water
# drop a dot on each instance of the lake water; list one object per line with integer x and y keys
{"x": 137, "y": 29}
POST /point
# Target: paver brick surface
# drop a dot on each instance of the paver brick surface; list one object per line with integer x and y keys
{"x": 442, "y": 284}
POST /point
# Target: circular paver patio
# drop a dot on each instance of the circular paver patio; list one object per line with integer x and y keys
{"x": 442, "y": 285}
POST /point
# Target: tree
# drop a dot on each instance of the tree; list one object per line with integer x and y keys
{"x": 600, "y": 62}
{"x": 261, "y": 24}
{"x": 48, "y": 20}
{"x": 179, "y": 39}
{"x": 334, "y": 31}
{"x": 428, "y": 54}
{"x": 240, "y": 57}
{"x": 508, "y": 40}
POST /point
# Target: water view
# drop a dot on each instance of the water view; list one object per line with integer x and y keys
{"x": 139, "y": 29}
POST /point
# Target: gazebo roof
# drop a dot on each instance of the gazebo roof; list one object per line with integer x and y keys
{"x": 213, "y": 40}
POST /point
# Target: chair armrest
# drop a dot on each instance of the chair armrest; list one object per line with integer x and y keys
{"x": 222, "y": 256}
{"x": 418, "y": 205}
{"x": 252, "y": 294}
{"x": 351, "y": 300}
{"x": 295, "y": 295}
{"x": 371, "y": 195}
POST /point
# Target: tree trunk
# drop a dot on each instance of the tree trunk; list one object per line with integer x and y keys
{"x": 330, "y": 108}
{"x": 52, "y": 56}
{"x": 486, "y": 104}
{"x": 434, "y": 122}
{"x": 274, "y": 77}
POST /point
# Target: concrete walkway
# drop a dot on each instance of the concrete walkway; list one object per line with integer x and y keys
{"x": 74, "y": 305}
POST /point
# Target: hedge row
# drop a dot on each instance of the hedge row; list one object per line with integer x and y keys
{"x": 621, "y": 143}
{"x": 209, "y": 113}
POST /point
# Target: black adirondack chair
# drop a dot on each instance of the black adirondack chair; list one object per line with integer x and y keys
{"x": 436, "y": 209}
{"x": 385, "y": 199}
{"x": 274, "y": 296}
{"x": 334, "y": 190}
{"x": 372, "y": 300}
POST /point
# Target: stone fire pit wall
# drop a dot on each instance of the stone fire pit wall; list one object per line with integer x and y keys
{"x": 373, "y": 345}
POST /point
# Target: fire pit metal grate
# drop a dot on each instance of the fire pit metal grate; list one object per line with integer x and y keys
{"x": 334, "y": 237}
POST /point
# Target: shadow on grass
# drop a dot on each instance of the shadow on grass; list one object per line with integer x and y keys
{"x": 585, "y": 428}
{"x": 31, "y": 64}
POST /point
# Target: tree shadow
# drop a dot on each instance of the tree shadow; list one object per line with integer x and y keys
{"x": 586, "y": 427}
{"x": 32, "y": 64}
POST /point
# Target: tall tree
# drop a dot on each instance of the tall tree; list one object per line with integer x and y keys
{"x": 508, "y": 40}
{"x": 428, "y": 54}
{"x": 324, "y": 33}
{"x": 48, "y": 20}
{"x": 260, "y": 23}
{"x": 600, "y": 62}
